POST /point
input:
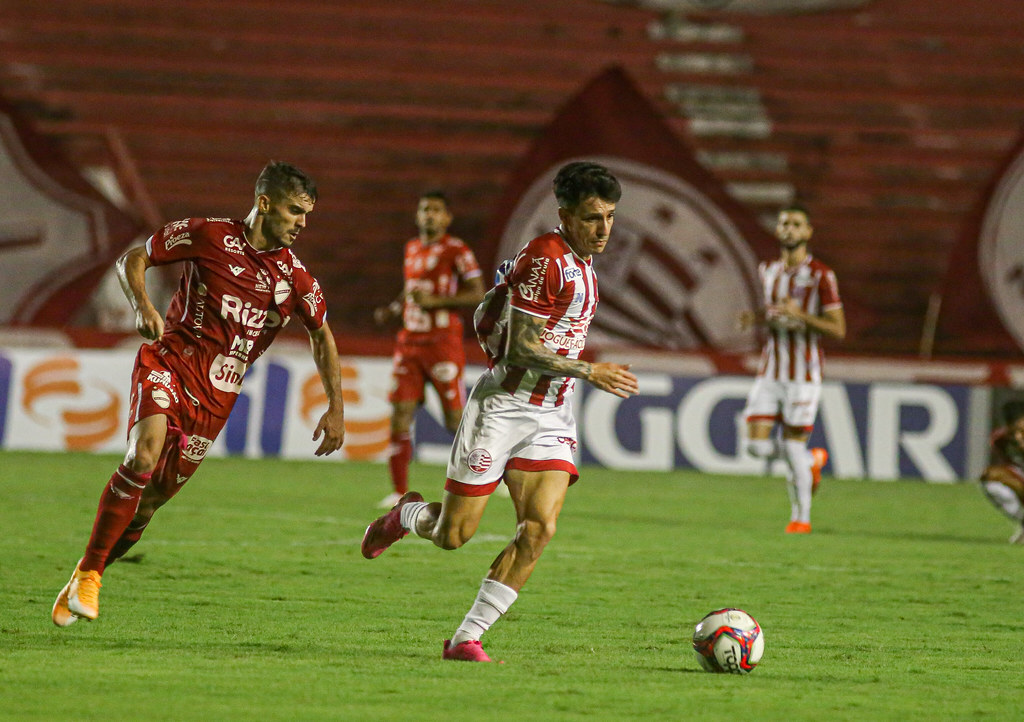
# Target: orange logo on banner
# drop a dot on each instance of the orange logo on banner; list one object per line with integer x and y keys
{"x": 56, "y": 382}
{"x": 363, "y": 439}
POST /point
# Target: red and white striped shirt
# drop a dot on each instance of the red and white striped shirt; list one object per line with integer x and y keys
{"x": 795, "y": 354}
{"x": 549, "y": 281}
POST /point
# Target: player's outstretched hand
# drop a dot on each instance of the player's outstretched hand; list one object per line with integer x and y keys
{"x": 332, "y": 426}
{"x": 614, "y": 378}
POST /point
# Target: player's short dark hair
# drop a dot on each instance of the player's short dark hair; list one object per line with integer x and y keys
{"x": 1012, "y": 411}
{"x": 436, "y": 194}
{"x": 279, "y": 180}
{"x": 795, "y": 208}
{"x": 583, "y": 179}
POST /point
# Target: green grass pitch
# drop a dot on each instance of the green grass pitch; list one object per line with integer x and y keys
{"x": 248, "y": 599}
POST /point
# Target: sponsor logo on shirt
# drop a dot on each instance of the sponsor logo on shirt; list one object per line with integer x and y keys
{"x": 226, "y": 373}
{"x": 196, "y": 448}
{"x": 285, "y": 268}
{"x": 159, "y": 377}
{"x": 241, "y": 347}
{"x": 568, "y": 343}
{"x": 263, "y": 281}
{"x": 234, "y": 244}
{"x": 234, "y": 309}
{"x": 236, "y": 270}
{"x": 571, "y": 273}
{"x": 534, "y": 284}
{"x": 181, "y": 239}
{"x": 314, "y": 298}
{"x": 570, "y": 442}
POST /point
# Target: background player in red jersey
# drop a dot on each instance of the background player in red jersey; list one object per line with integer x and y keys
{"x": 801, "y": 304}
{"x": 441, "y": 277}
{"x": 518, "y": 425}
{"x": 1003, "y": 480}
{"x": 240, "y": 285}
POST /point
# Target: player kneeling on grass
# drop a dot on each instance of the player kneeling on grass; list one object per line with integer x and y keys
{"x": 518, "y": 423}
{"x": 241, "y": 284}
{"x": 1003, "y": 481}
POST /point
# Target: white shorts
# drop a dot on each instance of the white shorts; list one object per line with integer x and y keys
{"x": 793, "y": 403}
{"x": 500, "y": 432}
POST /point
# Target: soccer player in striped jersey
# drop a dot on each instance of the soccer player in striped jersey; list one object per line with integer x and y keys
{"x": 801, "y": 304}
{"x": 518, "y": 424}
{"x": 1003, "y": 480}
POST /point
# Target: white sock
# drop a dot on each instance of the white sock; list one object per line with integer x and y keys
{"x": 409, "y": 512}
{"x": 799, "y": 460}
{"x": 493, "y": 600}
{"x": 1004, "y": 498}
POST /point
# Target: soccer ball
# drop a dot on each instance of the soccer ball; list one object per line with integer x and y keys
{"x": 728, "y": 640}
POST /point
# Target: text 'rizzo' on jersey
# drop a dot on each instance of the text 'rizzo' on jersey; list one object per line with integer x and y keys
{"x": 231, "y": 303}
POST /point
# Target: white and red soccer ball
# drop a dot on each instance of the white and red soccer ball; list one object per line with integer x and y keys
{"x": 728, "y": 640}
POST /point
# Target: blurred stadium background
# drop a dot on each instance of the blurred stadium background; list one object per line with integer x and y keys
{"x": 897, "y": 122}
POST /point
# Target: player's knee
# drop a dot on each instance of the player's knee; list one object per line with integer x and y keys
{"x": 142, "y": 458}
{"x": 534, "y": 534}
{"x": 761, "y": 448}
{"x": 452, "y": 536}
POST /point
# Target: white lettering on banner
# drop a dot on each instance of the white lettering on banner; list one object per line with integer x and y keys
{"x": 657, "y": 449}
{"x": 885, "y": 438}
{"x": 693, "y": 427}
{"x": 844, "y": 449}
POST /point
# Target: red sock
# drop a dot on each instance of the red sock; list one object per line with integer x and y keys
{"x": 127, "y": 541}
{"x": 398, "y": 461}
{"x": 118, "y": 503}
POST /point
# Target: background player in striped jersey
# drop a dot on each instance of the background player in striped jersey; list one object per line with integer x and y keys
{"x": 1003, "y": 480}
{"x": 240, "y": 284}
{"x": 518, "y": 424}
{"x": 801, "y": 304}
{"x": 441, "y": 278}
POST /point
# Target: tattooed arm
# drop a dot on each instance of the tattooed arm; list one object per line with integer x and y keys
{"x": 525, "y": 348}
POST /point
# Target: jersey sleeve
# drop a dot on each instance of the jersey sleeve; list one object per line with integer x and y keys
{"x": 466, "y": 264}
{"x": 311, "y": 306}
{"x": 534, "y": 282}
{"x": 177, "y": 241}
{"x": 828, "y": 291}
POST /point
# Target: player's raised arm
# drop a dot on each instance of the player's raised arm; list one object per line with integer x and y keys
{"x": 131, "y": 272}
{"x": 332, "y": 423}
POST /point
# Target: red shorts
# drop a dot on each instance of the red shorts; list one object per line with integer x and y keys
{"x": 190, "y": 429}
{"x": 439, "y": 363}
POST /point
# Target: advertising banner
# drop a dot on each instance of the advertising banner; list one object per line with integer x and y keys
{"x": 77, "y": 400}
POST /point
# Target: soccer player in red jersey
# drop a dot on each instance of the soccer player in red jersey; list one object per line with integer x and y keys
{"x": 1003, "y": 480}
{"x": 241, "y": 283}
{"x": 801, "y": 304}
{"x": 518, "y": 424}
{"x": 441, "y": 277}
